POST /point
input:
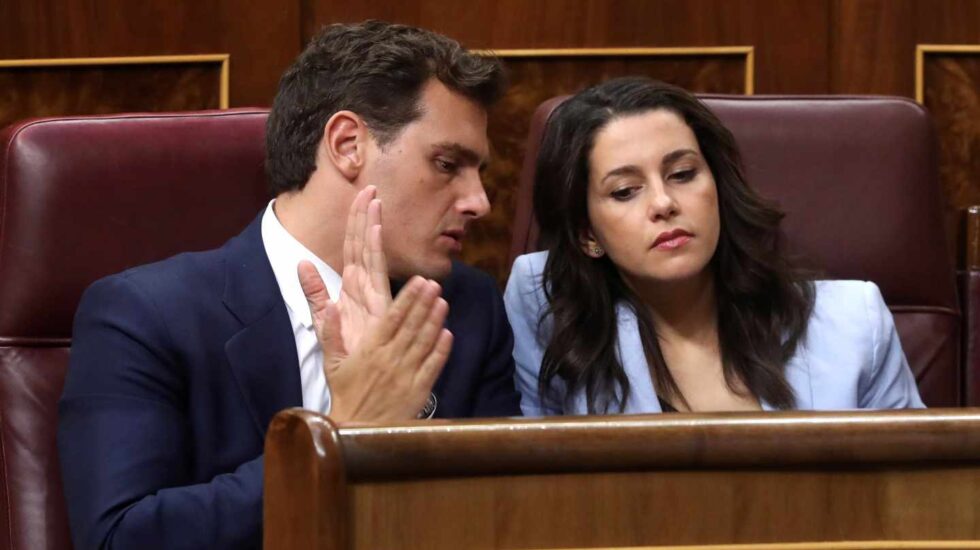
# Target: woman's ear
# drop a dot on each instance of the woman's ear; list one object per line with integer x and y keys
{"x": 590, "y": 246}
{"x": 344, "y": 143}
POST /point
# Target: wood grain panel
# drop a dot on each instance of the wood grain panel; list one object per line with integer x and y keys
{"x": 872, "y": 47}
{"x": 680, "y": 507}
{"x": 537, "y": 78}
{"x": 635, "y": 480}
{"x": 950, "y": 89}
{"x": 262, "y": 36}
{"x": 790, "y": 36}
{"x": 101, "y": 89}
{"x": 947, "y": 21}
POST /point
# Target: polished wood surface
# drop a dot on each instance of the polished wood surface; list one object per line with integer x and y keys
{"x": 862, "y": 545}
{"x": 948, "y": 84}
{"x": 305, "y": 488}
{"x": 631, "y": 480}
{"x": 87, "y": 86}
{"x": 261, "y": 36}
{"x": 970, "y": 231}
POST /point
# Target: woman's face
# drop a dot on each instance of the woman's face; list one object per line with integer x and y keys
{"x": 652, "y": 201}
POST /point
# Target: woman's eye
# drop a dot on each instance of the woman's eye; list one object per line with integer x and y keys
{"x": 623, "y": 194}
{"x": 684, "y": 175}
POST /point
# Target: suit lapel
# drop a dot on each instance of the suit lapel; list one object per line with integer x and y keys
{"x": 262, "y": 355}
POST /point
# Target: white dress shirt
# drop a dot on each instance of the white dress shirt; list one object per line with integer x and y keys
{"x": 285, "y": 253}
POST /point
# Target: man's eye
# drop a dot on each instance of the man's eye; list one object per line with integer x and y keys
{"x": 445, "y": 166}
{"x": 684, "y": 175}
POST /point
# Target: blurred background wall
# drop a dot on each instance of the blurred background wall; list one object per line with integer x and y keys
{"x": 726, "y": 46}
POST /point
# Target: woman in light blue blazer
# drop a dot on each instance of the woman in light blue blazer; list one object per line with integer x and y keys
{"x": 663, "y": 287}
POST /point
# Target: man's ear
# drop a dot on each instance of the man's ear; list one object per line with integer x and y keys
{"x": 344, "y": 143}
{"x": 590, "y": 245}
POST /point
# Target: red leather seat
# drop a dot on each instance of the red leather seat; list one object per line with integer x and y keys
{"x": 81, "y": 198}
{"x": 858, "y": 180}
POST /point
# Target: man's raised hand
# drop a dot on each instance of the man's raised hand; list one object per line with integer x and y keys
{"x": 381, "y": 357}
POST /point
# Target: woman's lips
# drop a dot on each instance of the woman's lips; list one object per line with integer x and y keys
{"x": 671, "y": 240}
{"x": 674, "y": 243}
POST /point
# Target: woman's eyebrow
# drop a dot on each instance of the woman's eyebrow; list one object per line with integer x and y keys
{"x": 674, "y": 156}
{"x": 626, "y": 170}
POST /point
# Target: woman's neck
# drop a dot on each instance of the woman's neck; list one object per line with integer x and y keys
{"x": 682, "y": 311}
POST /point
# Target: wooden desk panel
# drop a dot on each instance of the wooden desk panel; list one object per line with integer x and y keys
{"x": 675, "y": 507}
{"x": 717, "y": 479}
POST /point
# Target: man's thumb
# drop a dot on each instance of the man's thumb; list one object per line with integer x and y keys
{"x": 326, "y": 317}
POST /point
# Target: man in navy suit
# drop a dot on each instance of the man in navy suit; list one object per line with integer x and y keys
{"x": 177, "y": 367}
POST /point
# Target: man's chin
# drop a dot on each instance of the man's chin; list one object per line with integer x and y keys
{"x": 436, "y": 270}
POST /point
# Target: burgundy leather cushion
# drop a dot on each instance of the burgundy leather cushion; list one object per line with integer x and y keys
{"x": 85, "y": 197}
{"x": 81, "y": 198}
{"x": 32, "y": 507}
{"x": 858, "y": 180}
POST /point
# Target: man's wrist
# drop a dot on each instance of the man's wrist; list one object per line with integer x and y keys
{"x": 429, "y": 410}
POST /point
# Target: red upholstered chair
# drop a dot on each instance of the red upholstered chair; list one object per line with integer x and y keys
{"x": 81, "y": 198}
{"x": 858, "y": 180}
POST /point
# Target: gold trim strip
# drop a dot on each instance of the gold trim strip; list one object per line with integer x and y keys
{"x": 224, "y": 59}
{"x": 920, "y": 53}
{"x": 747, "y": 51}
{"x": 844, "y": 545}
{"x": 602, "y": 52}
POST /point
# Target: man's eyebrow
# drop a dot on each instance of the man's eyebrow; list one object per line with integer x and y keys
{"x": 464, "y": 154}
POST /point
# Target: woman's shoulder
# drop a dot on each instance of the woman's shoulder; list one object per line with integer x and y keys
{"x": 836, "y": 298}
{"x": 529, "y": 265}
{"x": 853, "y": 354}
{"x": 846, "y": 319}
{"x": 526, "y": 276}
{"x": 524, "y": 295}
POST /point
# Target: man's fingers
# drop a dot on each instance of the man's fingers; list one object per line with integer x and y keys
{"x": 378, "y": 272}
{"x": 353, "y": 233}
{"x": 329, "y": 334}
{"x": 423, "y": 339}
{"x": 416, "y": 317}
{"x": 392, "y": 320}
{"x": 360, "y": 223}
{"x": 432, "y": 365}
{"x": 372, "y": 217}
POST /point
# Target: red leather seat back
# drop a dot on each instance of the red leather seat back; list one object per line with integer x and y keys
{"x": 81, "y": 198}
{"x": 858, "y": 180}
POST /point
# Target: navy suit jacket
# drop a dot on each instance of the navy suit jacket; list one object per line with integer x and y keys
{"x": 178, "y": 367}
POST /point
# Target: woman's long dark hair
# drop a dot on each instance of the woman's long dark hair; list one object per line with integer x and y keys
{"x": 763, "y": 302}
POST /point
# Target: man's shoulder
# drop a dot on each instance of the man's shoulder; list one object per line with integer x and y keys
{"x": 187, "y": 275}
{"x": 184, "y": 273}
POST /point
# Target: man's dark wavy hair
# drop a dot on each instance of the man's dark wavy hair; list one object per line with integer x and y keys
{"x": 374, "y": 69}
{"x": 764, "y": 303}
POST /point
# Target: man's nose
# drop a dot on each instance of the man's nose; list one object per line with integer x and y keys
{"x": 473, "y": 201}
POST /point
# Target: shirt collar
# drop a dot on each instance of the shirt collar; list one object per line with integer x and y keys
{"x": 285, "y": 253}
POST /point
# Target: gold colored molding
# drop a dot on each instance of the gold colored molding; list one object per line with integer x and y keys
{"x": 747, "y": 51}
{"x": 920, "y": 57}
{"x": 848, "y": 545}
{"x": 223, "y": 58}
